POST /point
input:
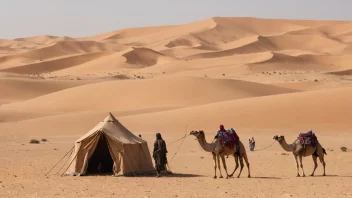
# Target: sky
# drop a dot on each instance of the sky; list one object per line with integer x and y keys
{"x": 79, "y": 18}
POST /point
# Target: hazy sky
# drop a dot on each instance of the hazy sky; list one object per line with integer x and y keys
{"x": 75, "y": 18}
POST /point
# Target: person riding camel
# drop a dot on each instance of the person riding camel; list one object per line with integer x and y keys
{"x": 222, "y": 130}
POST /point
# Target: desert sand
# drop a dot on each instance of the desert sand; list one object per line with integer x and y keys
{"x": 263, "y": 77}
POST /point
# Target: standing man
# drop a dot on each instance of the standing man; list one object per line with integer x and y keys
{"x": 159, "y": 154}
{"x": 253, "y": 143}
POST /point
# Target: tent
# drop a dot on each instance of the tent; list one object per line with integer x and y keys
{"x": 110, "y": 148}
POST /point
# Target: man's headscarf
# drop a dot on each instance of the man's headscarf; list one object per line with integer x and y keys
{"x": 158, "y": 136}
{"x": 222, "y": 128}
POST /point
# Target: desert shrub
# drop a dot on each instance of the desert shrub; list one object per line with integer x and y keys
{"x": 34, "y": 141}
{"x": 343, "y": 149}
{"x": 44, "y": 140}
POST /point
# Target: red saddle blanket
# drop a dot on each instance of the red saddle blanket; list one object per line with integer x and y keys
{"x": 228, "y": 139}
{"x": 308, "y": 138}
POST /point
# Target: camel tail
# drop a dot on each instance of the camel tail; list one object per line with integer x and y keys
{"x": 324, "y": 151}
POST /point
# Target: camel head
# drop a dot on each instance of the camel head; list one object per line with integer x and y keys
{"x": 279, "y": 138}
{"x": 198, "y": 134}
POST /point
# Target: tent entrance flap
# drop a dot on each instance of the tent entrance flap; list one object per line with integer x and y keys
{"x": 101, "y": 161}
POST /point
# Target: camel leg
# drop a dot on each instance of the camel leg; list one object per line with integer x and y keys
{"x": 237, "y": 165}
{"x": 247, "y": 163}
{"x": 300, "y": 161}
{"x": 241, "y": 162}
{"x": 321, "y": 158}
{"x": 297, "y": 165}
{"x": 225, "y": 167}
{"x": 219, "y": 167}
{"x": 315, "y": 164}
{"x": 214, "y": 158}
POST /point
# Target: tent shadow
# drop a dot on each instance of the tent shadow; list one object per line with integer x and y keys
{"x": 183, "y": 175}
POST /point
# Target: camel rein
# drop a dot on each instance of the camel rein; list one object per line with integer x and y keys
{"x": 182, "y": 138}
{"x": 266, "y": 147}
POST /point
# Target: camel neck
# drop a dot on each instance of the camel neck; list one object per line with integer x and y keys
{"x": 205, "y": 145}
{"x": 285, "y": 146}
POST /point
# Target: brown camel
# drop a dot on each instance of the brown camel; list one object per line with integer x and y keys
{"x": 300, "y": 151}
{"x": 219, "y": 151}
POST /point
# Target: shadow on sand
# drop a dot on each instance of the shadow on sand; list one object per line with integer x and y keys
{"x": 331, "y": 176}
{"x": 184, "y": 175}
{"x": 146, "y": 175}
{"x": 265, "y": 178}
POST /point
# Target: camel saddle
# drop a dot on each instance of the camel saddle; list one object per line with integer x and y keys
{"x": 228, "y": 139}
{"x": 308, "y": 138}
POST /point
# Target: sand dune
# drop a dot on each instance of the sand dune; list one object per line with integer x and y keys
{"x": 26, "y": 44}
{"x": 227, "y": 30}
{"x": 59, "y": 49}
{"x": 173, "y": 79}
{"x": 54, "y": 65}
{"x": 342, "y": 73}
{"x": 20, "y": 89}
{"x": 131, "y": 58}
{"x": 295, "y": 111}
{"x": 167, "y": 34}
{"x": 303, "y": 62}
{"x": 260, "y": 45}
{"x": 314, "y": 43}
{"x": 103, "y": 64}
{"x": 337, "y": 29}
{"x": 235, "y": 63}
{"x": 129, "y": 95}
{"x": 146, "y": 57}
{"x": 183, "y": 52}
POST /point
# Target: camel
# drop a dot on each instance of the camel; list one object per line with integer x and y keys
{"x": 300, "y": 151}
{"x": 218, "y": 151}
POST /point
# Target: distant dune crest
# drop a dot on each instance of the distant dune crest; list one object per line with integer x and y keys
{"x": 210, "y": 38}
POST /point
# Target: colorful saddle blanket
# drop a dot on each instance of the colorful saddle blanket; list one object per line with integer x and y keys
{"x": 229, "y": 138}
{"x": 308, "y": 138}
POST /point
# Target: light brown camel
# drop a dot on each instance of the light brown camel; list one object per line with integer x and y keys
{"x": 218, "y": 151}
{"x": 300, "y": 151}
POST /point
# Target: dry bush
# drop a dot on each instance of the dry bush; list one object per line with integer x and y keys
{"x": 343, "y": 149}
{"x": 34, "y": 141}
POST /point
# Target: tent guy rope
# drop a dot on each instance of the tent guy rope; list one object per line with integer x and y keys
{"x": 60, "y": 160}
